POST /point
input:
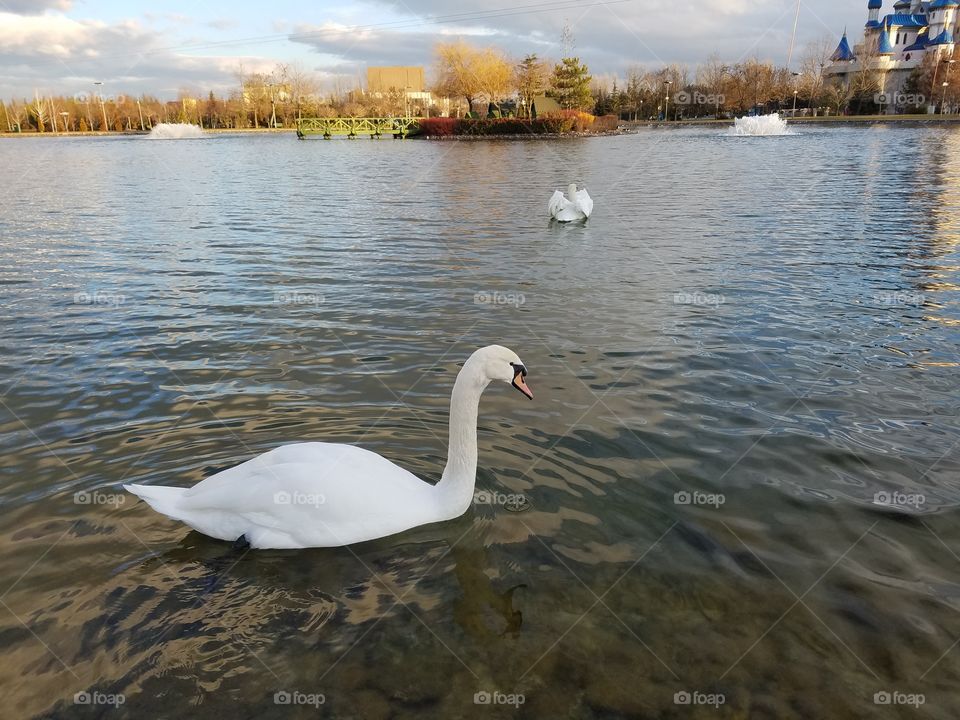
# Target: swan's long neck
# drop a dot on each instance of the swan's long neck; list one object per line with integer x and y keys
{"x": 455, "y": 489}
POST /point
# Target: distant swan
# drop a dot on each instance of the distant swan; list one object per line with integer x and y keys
{"x": 317, "y": 494}
{"x": 577, "y": 206}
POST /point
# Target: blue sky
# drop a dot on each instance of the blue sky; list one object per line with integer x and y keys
{"x": 61, "y": 46}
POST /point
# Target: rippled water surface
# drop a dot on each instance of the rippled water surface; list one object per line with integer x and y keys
{"x": 749, "y": 348}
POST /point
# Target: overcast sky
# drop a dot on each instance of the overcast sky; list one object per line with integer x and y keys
{"x": 62, "y": 46}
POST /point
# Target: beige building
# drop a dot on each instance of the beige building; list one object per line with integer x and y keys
{"x": 409, "y": 80}
{"x": 386, "y": 78}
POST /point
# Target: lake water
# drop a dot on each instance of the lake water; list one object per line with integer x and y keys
{"x": 740, "y": 469}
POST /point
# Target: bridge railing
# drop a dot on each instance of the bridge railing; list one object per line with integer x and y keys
{"x": 351, "y": 126}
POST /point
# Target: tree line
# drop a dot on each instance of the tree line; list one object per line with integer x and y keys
{"x": 472, "y": 79}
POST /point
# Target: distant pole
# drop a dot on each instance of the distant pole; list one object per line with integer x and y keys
{"x": 103, "y": 110}
{"x": 666, "y": 99}
{"x": 943, "y": 99}
{"x": 66, "y": 121}
{"x": 140, "y": 113}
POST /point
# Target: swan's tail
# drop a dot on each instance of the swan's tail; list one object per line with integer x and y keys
{"x": 161, "y": 498}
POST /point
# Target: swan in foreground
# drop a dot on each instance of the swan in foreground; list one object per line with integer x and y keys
{"x": 315, "y": 494}
{"x": 576, "y": 206}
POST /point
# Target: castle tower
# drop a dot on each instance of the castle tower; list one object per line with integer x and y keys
{"x": 943, "y": 20}
{"x": 873, "y": 12}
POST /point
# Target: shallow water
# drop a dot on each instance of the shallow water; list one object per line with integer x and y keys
{"x": 769, "y": 325}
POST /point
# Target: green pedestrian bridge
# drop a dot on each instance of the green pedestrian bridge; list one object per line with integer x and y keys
{"x": 398, "y": 127}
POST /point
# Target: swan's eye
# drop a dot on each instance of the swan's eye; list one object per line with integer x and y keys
{"x": 519, "y": 368}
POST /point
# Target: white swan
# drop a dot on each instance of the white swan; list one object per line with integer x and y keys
{"x": 577, "y": 206}
{"x": 316, "y": 494}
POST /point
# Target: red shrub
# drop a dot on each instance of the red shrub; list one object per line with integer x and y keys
{"x": 438, "y": 126}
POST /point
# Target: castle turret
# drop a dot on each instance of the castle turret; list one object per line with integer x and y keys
{"x": 873, "y": 12}
{"x": 843, "y": 53}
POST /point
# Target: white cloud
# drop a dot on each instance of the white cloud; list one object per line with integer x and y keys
{"x": 34, "y": 7}
{"x": 53, "y": 53}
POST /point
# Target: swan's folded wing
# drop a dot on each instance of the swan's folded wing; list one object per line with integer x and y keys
{"x": 557, "y": 203}
{"x": 585, "y": 202}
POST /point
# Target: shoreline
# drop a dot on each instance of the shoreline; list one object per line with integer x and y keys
{"x": 121, "y": 133}
{"x": 914, "y": 119}
{"x": 627, "y": 127}
{"x": 224, "y": 131}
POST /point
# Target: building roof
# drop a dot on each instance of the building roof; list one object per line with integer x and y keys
{"x": 872, "y": 24}
{"x": 884, "y": 46}
{"x": 920, "y": 43}
{"x": 943, "y": 3}
{"x": 874, "y": 4}
{"x": 944, "y": 38}
{"x": 843, "y": 51}
{"x": 911, "y": 21}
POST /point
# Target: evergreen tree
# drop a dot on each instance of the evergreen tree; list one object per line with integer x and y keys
{"x": 571, "y": 85}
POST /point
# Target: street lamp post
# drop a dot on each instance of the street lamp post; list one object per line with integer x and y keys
{"x": 666, "y": 99}
{"x": 103, "y": 110}
{"x": 795, "y": 91}
{"x": 946, "y": 81}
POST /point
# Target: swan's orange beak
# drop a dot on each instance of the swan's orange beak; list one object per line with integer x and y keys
{"x": 519, "y": 383}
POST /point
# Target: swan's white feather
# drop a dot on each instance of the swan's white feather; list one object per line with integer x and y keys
{"x": 557, "y": 203}
{"x": 565, "y": 210}
{"x": 303, "y": 495}
{"x": 585, "y": 202}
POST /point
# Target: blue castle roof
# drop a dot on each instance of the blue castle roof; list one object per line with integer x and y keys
{"x": 873, "y": 24}
{"x": 843, "y": 51}
{"x": 874, "y": 4}
{"x": 943, "y": 4}
{"x": 884, "y": 46}
{"x": 911, "y": 21}
{"x": 944, "y": 38}
{"x": 920, "y": 43}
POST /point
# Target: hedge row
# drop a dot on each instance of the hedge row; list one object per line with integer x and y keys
{"x": 439, "y": 127}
